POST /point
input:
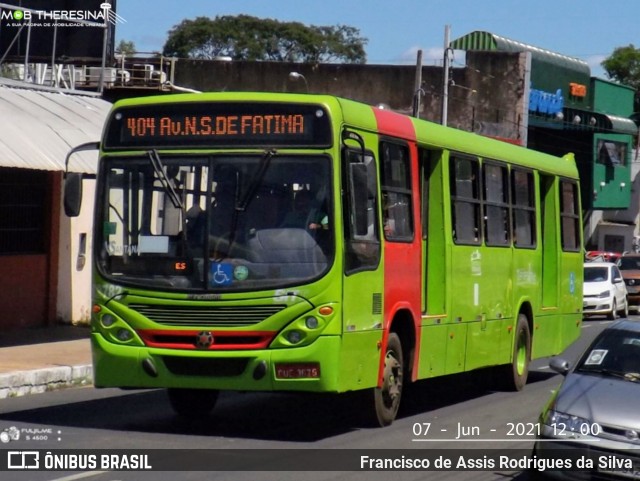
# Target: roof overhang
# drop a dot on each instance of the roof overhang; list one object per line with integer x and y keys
{"x": 621, "y": 125}
{"x": 480, "y": 40}
{"x": 39, "y": 126}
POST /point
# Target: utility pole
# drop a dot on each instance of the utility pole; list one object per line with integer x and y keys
{"x": 417, "y": 86}
{"x": 445, "y": 75}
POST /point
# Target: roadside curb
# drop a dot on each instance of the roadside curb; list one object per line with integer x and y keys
{"x": 21, "y": 383}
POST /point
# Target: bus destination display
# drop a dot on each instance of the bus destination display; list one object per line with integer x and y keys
{"x": 218, "y": 124}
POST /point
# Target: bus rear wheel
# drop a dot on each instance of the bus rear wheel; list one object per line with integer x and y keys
{"x": 192, "y": 403}
{"x": 387, "y": 397}
{"x": 518, "y": 371}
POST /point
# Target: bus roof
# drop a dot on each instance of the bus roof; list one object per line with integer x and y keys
{"x": 432, "y": 135}
{"x": 359, "y": 115}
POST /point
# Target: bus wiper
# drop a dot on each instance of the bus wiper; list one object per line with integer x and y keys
{"x": 164, "y": 180}
{"x": 256, "y": 180}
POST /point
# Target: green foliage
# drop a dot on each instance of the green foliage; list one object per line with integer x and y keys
{"x": 126, "y": 47}
{"x": 244, "y": 37}
{"x": 623, "y": 66}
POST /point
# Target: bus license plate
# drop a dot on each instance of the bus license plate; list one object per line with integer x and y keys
{"x": 298, "y": 370}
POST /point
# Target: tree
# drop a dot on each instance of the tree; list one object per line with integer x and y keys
{"x": 623, "y": 66}
{"x": 244, "y": 37}
{"x": 126, "y": 47}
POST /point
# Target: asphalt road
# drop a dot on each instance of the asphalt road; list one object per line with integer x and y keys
{"x": 452, "y": 414}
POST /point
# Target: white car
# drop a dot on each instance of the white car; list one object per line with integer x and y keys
{"x": 604, "y": 292}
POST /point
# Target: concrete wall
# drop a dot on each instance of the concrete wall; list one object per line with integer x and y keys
{"x": 74, "y": 273}
{"x": 487, "y": 96}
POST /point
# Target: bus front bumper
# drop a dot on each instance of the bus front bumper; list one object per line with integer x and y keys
{"x": 310, "y": 368}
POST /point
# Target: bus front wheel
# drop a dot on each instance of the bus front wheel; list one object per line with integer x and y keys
{"x": 387, "y": 397}
{"x": 518, "y": 371}
{"x": 192, "y": 403}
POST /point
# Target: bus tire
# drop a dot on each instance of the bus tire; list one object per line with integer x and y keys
{"x": 518, "y": 371}
{"x": 387, "y": 398}
{"x": 192, "y": 403}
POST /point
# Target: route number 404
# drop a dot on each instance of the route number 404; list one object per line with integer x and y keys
{"x": 421, "y": 429}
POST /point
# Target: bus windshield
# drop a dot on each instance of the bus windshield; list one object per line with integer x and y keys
{"x": 215, "y": 223}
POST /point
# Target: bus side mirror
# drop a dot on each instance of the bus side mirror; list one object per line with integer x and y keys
{"x": 72, "y": 194}
{"x": 359, "y": 197}
{"x": 73, "y": 181}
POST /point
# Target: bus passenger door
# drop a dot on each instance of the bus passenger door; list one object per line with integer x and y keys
{"x": 363, "y": 282}
{"x": 399, "y": 186}
{"x": 546, "y": 325}
{"x": 549, "y": 243}
{"x": 434, "y": 328}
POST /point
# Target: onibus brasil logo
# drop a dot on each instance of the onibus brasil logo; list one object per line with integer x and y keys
{"x": 106, "y": 14}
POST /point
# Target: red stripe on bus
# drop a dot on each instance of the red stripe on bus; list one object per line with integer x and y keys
{"x": 394, "y": 124}
{"x": 222, "y": 340}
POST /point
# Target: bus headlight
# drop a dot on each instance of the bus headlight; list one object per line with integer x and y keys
{"x": 294, "y": 337}
{"x": 113, "y": 328}
{"x": 306, "y": 329}
{"x": 124, "y": 335}
{"x": 311, "y": 322}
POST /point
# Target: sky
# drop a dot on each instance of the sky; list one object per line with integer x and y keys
{"x": 396, "y": 29}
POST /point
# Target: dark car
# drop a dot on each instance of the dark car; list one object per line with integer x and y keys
{"x": 596, "y": 411}
{"x": 629, "y": 266}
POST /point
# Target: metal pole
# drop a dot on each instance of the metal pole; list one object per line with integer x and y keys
{"x": 26, "y": 54}
{"x": 54, "y": 77}
{"x": 445, "y": 66}
{"x": 105, "y": 42}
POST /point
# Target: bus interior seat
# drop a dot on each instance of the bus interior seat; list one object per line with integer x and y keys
{"x": 285, "y": 246}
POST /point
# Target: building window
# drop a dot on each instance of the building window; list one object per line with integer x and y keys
{"x": 611, "y": 153}
{"x": 23, "y": 196}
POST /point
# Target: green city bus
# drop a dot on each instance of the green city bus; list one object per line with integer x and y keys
{"x": 296, "y": 242}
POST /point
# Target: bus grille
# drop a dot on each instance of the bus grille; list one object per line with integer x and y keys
{"x": 213, "y": 316}
{"x": 190, "y": 366}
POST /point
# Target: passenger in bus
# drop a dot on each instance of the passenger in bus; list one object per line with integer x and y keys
{"x": 304, "y": 214}
{"x": 388, "y": 219}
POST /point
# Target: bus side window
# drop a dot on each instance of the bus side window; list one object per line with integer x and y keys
{"x": 465, "y": 201}
{"x": 362, "y": 243}
{"x": 395, "y": 180}
{"x": 570, "y": 216}
{"x": 496, "y": 195}
{"x": 523, "y": 208}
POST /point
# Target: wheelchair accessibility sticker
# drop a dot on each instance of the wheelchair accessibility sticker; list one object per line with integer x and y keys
{"x": 221, "y": 274}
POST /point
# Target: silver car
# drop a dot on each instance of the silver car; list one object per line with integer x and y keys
{"x": 595, "y": 413}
